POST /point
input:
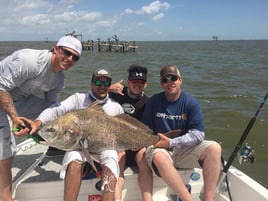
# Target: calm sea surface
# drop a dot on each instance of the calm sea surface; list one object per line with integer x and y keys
{"x": 228, "y": 77}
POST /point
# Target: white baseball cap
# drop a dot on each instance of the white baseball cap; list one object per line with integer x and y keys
{"x": 71, "y": 42}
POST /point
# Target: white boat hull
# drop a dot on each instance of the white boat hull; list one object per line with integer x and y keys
{"x": 37, "y": 188}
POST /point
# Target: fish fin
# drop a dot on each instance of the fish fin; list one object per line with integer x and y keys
{"x": 132, "y": 120}
{"x": 96, "y": 106}
{"x": 88, "y": 156}
{"x": 173, "y": 133}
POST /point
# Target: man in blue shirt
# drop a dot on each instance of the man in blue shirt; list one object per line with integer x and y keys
{"x": 178, "y": 114}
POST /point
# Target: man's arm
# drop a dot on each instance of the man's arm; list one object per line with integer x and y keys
{"x": 117, "y": 88}
{"x": 6, "y": 103}
{"x": 193, "y": 137}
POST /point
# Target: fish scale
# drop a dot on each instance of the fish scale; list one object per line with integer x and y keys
{"x": 100, "y": 130}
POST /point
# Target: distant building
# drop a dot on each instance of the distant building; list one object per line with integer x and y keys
{"x": 214, "y": 37}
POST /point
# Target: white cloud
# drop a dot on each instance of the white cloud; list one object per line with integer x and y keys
{"x": 89, "y": 16}
{"x": 35, "y": 19}
{"x": 158, "y": 16}
{"x": 45, "y": 17}
{"x": 154, "y": 7}
{"x": 128, "y": 11}
{"x": 107, "y": 22}
{"x": 65, "y": 17}
{"x": 25, "y": 6}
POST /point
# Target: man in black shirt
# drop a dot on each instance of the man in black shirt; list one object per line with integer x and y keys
{"x": 133, "y": 102}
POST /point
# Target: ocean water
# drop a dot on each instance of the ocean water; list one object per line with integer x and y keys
{"x": 228, "y": 77}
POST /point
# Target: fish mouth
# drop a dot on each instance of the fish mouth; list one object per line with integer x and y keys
{"x": 47, "y": 137}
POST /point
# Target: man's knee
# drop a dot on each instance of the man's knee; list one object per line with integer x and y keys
{"x": 143, "y": 165}
{"x": 75, "y": 167}
{"x": 214, "y": 149}
{"x": 212, "y": 152}
{"x": 108, "y": 180}
{"x": 160, "y": 159}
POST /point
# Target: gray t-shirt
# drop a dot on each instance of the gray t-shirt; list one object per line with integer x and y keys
{"x": 27, "y": 72}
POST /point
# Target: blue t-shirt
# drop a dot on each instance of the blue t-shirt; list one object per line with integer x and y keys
{"x": 162, "y": 116}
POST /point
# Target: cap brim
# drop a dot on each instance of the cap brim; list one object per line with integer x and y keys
{"x": 135, "y": 78}
{"x": 169, "y": 74}
{"x": 103, "y": 76}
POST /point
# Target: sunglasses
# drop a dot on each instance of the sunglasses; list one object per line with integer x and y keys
{"x": 106, "y": 83}
{"x": 170, "y": 78}
{"x": 67, "y": 53}
{"x": 137, "y": 81}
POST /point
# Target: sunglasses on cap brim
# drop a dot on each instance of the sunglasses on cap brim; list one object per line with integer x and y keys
{"x": 171, "y": 78}
{"x": 106, "y": 83}
{"x": 67, "y": 53}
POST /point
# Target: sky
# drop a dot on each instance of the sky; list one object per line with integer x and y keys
{"x": 140, "y": 20}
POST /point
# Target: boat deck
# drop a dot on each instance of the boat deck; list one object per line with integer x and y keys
{"x": 45, "y": 182}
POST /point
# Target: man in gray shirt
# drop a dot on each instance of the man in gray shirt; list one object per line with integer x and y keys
{"x": 24, "y": 74}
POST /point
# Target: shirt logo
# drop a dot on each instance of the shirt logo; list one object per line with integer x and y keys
{"x": 138, "y": 74}
{"x": 128, "y": 108}
{"x": 171, "y": 117}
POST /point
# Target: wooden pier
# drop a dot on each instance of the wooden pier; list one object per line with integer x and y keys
{"x": 86, "y": 45}
{"x": 114, "y": 45}
{"x": 111, "y": 45}
{"x": 122, "y": 47}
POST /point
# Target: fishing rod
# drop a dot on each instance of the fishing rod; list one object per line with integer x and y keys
{"x": 240, "y": 142}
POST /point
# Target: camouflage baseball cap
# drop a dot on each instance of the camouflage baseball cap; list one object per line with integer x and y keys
{"x": 169, "y": 70}
{"x": 101, "y": 73}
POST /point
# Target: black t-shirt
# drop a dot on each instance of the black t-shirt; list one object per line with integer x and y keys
{"x": 133, "y": 107}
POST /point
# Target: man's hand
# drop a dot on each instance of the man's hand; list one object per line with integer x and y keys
{"x": 20, "y": 126}
{"x": 117, "y": 87}
{"x": 33, "y": 125}
{"x": 163, "y": 142}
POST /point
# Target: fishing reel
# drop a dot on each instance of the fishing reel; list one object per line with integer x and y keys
{"x": 246, "y": 154}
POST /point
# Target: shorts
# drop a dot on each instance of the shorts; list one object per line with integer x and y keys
{"x": 131, "y": 158}
{"x": 183, "y": 158}
{"x": 30, "y": 107}
{"x": 108, "y": 158}
{"x": 7, "y": 140}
